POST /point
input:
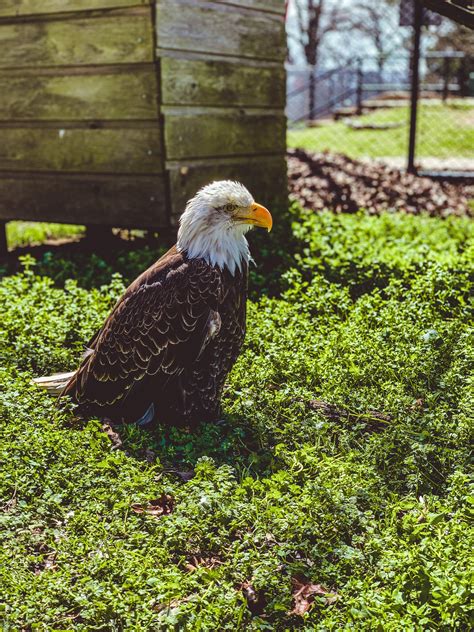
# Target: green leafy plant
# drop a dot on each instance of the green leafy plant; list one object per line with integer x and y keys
{"x": 336, "y": 493}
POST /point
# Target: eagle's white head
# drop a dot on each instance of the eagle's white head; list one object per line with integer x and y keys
{"x": 215, "y": 221}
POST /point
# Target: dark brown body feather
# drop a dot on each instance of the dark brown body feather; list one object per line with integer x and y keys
{"x": 171, "y": 340}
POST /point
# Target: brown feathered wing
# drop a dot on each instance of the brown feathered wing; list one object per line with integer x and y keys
{"x": 156, "y": 331}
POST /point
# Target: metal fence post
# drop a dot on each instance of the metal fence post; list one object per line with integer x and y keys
{"x": 462, "y": 77}
{"x": 446, "y": 64}
{"x": 312, "y": 88}
{"x": 360, "y": 77}
{"x": 415, "y": 72}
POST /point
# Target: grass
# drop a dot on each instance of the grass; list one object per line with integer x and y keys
{"x": 32, "y": 233}
{"x": 444, "y": 131}
{"x": 343, "y": 460}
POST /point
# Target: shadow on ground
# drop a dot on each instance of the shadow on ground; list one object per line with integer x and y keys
{"x": 178, "y": 449}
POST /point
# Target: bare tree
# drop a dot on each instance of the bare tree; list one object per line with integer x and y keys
{"x": 378, "y": 23}
{"x": 453, "y": 37}
{"x": 315, "y": 20}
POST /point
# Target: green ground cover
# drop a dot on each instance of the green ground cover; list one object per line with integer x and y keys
{"x": 343, "y": 460}
{"x": 444, "y": 131}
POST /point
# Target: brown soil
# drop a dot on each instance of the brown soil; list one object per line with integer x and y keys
{"x": 334, "y": 181}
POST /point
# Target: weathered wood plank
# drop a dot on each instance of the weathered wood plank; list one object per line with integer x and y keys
{"x": 101, "y": 40}
{"x": 86, "y": 150}
{"x": 212, "y": 133}
{"x": 114, "y": 201}
{"x": 125, "y": 96}
{"x": 220, "y": 29}
{"x": 34, "y": 7}
{"x": 265, "y": 177}
{"x": 198, "y": 82}
{"x": 275, "y": 6}
{"x": 203, "y": 56}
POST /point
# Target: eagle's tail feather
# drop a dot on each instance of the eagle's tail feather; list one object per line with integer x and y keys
{"x": 54, "y": 384}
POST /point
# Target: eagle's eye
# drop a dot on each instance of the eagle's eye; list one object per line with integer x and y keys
{"x": 230, "y": 208}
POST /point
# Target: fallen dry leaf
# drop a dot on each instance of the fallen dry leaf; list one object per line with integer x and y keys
{"x": 161, "y": 506}
{"x": 197, "y": 561}
{"x": 150, "y": 456}
{"x": 11, "y": 503}
{"x": 174, "y": 603}
{"x": 113, "y": 436}
{"x": 304, "y": 593}
{"x": 184, "y": 475}
{"x": 418, "y": 403}
{"x": 374, "y": 420}
{"x": 255, "y": 598}
{"x": 48, "y": 562}
{"x": 334, "y": 181}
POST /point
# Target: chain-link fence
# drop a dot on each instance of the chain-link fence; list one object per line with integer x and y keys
{"x": 361, "y": 107}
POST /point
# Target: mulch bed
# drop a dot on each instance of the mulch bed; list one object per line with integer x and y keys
{"x": 334, "y": 181}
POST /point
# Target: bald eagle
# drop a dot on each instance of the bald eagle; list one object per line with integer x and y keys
{"x": 166, "y": 349}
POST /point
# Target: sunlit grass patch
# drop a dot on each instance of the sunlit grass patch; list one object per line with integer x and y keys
{"x": 34, "y": 233}
{"x": 444, "y": 131}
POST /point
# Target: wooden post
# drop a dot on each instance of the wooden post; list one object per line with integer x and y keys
{"x": 3, "y": 240}
{"x": 99, "y": 236}
{"x": 415, "y": 73}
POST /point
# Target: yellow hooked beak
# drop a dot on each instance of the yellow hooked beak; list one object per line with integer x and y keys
{"x": 257, "y": 215}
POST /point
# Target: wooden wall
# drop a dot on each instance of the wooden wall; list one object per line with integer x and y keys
{"x": 115, "y": 111}
{"x": 223, "y": 95}
{"x": 80, "y": 139}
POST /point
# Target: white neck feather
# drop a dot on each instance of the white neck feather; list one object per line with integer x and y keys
{"x": 220, "y": 244}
